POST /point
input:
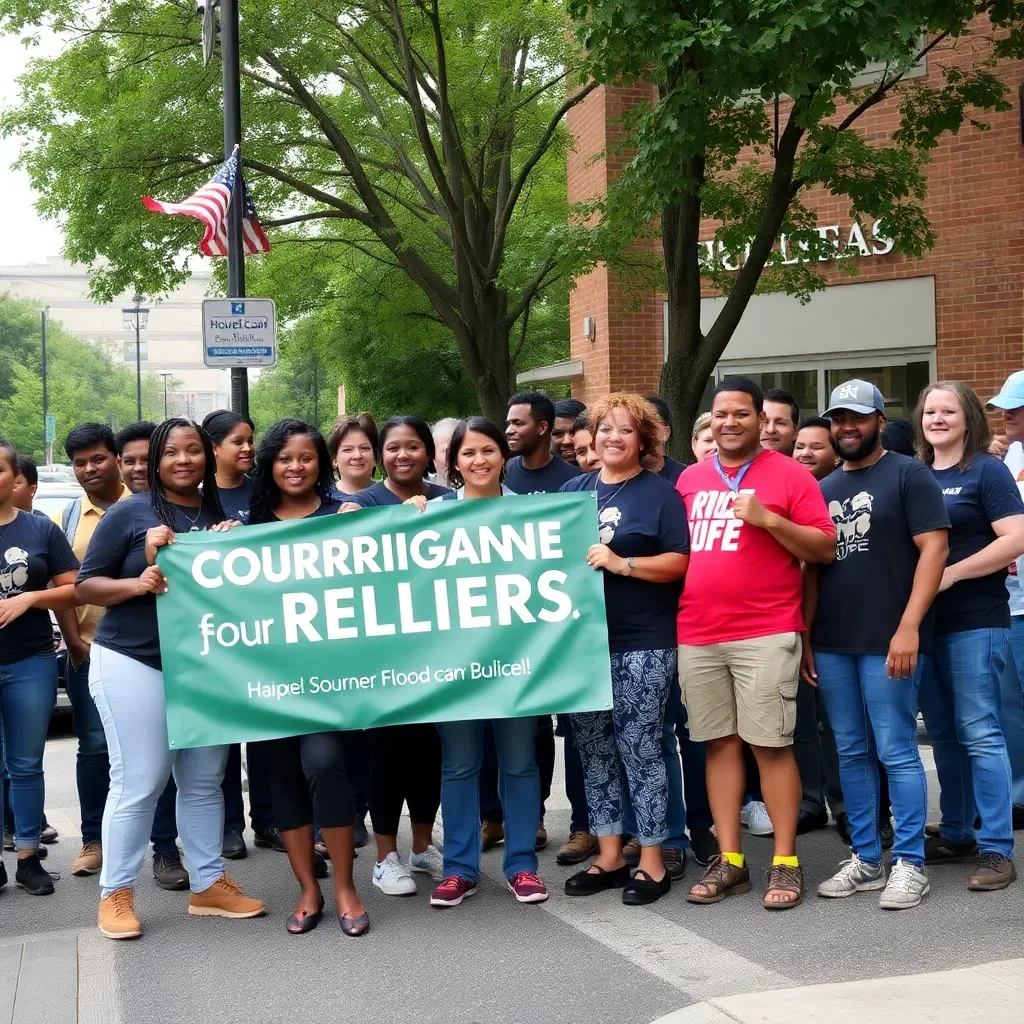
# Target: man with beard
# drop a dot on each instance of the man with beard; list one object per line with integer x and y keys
{"x": 781, "y": 415}
{"x": 133, "y": 450}
{"x": 566, "y": 412}
{"x": 872, "y": 631}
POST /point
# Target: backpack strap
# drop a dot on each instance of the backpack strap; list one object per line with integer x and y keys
{"x": 69, "y": 519}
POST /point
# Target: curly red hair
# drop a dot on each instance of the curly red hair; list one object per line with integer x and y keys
{"x": 644, "y": 416}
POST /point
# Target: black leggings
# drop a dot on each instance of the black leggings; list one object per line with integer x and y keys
{"x": 307, "y": 779}
{"x": 405, "y": 767}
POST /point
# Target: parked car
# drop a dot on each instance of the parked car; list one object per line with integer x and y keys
{"x": 51, "y": 497}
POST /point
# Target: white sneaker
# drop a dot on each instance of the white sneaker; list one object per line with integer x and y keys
{"x": 392, "y": 878}
{"x": 906, "y": 886}
{"x": 854, "y": 875}
{"x": 754, "y": 818}
{"x": 429, "y": 862}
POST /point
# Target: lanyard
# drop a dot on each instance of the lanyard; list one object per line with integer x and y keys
{"x": 733, "y": 483}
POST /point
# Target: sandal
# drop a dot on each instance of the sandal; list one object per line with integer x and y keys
{"x": 783, "y": 878}
{"x": 719, "y": 880}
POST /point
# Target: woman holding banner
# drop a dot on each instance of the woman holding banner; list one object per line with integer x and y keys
{"x": 293, "y": 480}
{"x": 643, "y": 553}
{"x": 126, "y": 682}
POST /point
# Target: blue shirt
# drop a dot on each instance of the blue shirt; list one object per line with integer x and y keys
{"x": 118, "y": 550}
{"x": 546, "y": 480}
{"x": 672, "y": 470}
{"x": 975, "y": 498}
{"x": 641, "y": 518}
{"x": 32, "y": 551}
{"x": 378, "y": 494}
{"x": 235, "y": 500}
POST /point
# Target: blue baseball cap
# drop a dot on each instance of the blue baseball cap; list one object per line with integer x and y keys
{"x": 1012, "y": 394}
{"x": 857, "y": 396}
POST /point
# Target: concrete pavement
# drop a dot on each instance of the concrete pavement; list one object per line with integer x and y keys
{"x": 492, "y": 960}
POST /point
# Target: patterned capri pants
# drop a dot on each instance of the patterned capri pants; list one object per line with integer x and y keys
{"x": 622, "y": 747}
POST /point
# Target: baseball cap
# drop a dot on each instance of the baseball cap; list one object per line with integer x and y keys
{"x": 1012, "y": 394}
{"x": 857, "y": 396}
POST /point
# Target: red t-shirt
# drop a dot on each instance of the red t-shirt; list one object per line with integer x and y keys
{"x": 741, "y": 582}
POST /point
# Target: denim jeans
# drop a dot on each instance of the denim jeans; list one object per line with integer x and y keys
{"x": 960, "y": 700}
{"x": 622, "y": 748}
{"x": 28, "y": 689}
{"x": 130, "y": 698}
{"x": 1011, "y": 715}
{"x": 92, "y": 767}
{"x": 462, "y": 752}
{"x": 544, "y": 750}
{"x": 874, "y": 718}
{"x": 580, "y": 818}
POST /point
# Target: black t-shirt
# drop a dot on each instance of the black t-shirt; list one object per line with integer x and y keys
{"x": 976, "y": 498}
{"x": 118, "y": 550}
{"x": 539, "y": 481}
{"x": 378, "y": 494}
{"x": 326, "y": 508}
{"x": 877, "y": 513}
{"x": 235, "y": 500}
{"x": 641, "y": 518}
{"x": 672, "y": 470}
{"x": 32, "y": 551}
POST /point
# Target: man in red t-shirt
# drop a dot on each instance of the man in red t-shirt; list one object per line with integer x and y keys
{"x": 754, "y": 516}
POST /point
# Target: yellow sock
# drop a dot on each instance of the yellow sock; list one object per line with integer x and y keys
{"x": 735, "y": 859}
{"x": 789, "y": 862}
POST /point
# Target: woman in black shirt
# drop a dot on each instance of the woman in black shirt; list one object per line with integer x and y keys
{"x": 293, "y": 480}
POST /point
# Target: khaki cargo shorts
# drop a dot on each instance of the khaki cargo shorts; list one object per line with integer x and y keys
{"x": 742, "y": 687}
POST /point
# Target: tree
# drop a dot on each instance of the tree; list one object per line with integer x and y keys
{"x": 427, "y": 134}
{"x": 754, "y": 104}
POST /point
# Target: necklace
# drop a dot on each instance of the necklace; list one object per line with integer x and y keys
{"x": 873, "y": 464}
{"x": 602, "y": 505}
{"x": 192, "y": 527}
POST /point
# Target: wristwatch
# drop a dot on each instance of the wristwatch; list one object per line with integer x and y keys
{"x": 631, "y": 565}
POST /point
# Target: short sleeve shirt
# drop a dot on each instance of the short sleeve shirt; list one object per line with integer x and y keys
{"x": 236, "y": 500}
{"x": 378, "y": 494}
{"x": 742, "y": 583}
{"x": 118, "y": 550}
{"x": 672, "y": 470}
{"x": 640, "y": 518}
{"x": 546, "y": 480}
{"x": 877, "y": 513}
{"x": 975, "y": 498}
{"x": 32, "y": 551}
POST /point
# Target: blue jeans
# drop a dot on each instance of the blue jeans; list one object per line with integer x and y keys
{"x": 960, "y": 701}
{"x": 874, "y": 718}
{"x": 92, "y": 767}
{"x": 1012, "y": 710}
{"x": 130, "y": 699}
{"x": 462, "y": 752}
{"x": 28, "y": 689}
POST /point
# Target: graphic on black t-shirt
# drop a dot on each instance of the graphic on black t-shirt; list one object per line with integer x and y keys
{"x": 852, "y": 518}
{"x": 14, "y": 572}
{"x": 607, "y": 520}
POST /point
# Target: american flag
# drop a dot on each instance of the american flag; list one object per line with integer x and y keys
{"x": 210, "y": 205}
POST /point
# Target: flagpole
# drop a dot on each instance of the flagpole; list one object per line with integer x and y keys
{"x": 236, "y": 211}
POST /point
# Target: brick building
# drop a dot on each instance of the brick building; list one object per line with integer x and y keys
{"x": 955, "y": 313}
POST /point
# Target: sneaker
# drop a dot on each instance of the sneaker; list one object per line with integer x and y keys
{"x": 451, "y": 892}
{"x": 994, "y": 871}
{"x": 906, "y": 887}
{"x": 577, "y": 848}
{"x": 233, "y": 846}
{"x": 854, "y": 875}
{"x": 269, "y": 839}
{"x": 48, "y": 834}
{"x": 88, "y": 861}
{"x": 225, "y": 899}
{"x": 169, "y": 873}
{"x": 491, "y": 833}
{"x": 703, "y": 846}
{"x": 31, "y": 876}
{"x": 8, "y": 840}
{"x": 117, "y": 918}
{"x": 631, "y": 852}
{"x": 429, "y": 862}
{"x": 754, "y": 818}
{"x": 674, "y": 861}
{"x": 392, "y": 878}
{"x": 527, "y": 887}
{"x": 542, "y": 838}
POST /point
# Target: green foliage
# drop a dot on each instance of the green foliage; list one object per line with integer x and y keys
{"x": 83, "y": 383}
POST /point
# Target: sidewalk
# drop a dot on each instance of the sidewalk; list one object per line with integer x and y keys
{"x": 987, "y": 994}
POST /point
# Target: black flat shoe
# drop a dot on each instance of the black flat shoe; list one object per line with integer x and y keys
{"x": 268, "y": 839}
{"x": 355, "y": 926}
{"x": 811, "y": 821}
{"x": 233, "y": 846}
{"x": 585, "y": 883}
{"x": 296, "y": 925}
{"x": 642, "y": 889}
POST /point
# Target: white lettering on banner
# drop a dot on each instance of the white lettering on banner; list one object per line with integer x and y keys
{"x": 847, "y": 243}
{"x": 712, "y": 523}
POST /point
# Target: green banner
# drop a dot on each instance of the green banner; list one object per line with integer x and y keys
{"x": 387, "y": 616}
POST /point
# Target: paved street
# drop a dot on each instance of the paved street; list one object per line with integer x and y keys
{"x": 491, "y": 960}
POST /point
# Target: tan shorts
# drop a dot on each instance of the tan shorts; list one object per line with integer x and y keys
{"x": 742, "y": 687}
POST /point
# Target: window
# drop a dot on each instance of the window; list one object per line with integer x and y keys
{"x": 900, "y": 385}
{"x": 129, "y": 352}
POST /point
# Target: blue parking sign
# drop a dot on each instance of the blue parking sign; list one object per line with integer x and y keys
{"x": 237, "y": 307}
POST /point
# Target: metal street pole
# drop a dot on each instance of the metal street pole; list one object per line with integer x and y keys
{"x": 165, "y": 375}
{"x": 231, "y": 83}
{"x": 46, "y": 400}
{"x": 138, "y": 366}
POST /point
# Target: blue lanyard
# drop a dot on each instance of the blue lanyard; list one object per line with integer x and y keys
{"x": 733, "y": 483}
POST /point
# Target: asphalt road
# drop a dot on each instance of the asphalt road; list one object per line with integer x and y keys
{"x": 491, "y": 960}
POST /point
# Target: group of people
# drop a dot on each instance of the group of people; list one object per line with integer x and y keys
{"x": 777, "y": 613}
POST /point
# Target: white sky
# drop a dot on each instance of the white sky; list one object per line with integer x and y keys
{"x": 24, "y": 236}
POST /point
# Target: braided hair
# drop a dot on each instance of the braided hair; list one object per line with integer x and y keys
{"x": 209, "y": 495}
{"x": 266, "y": 495}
